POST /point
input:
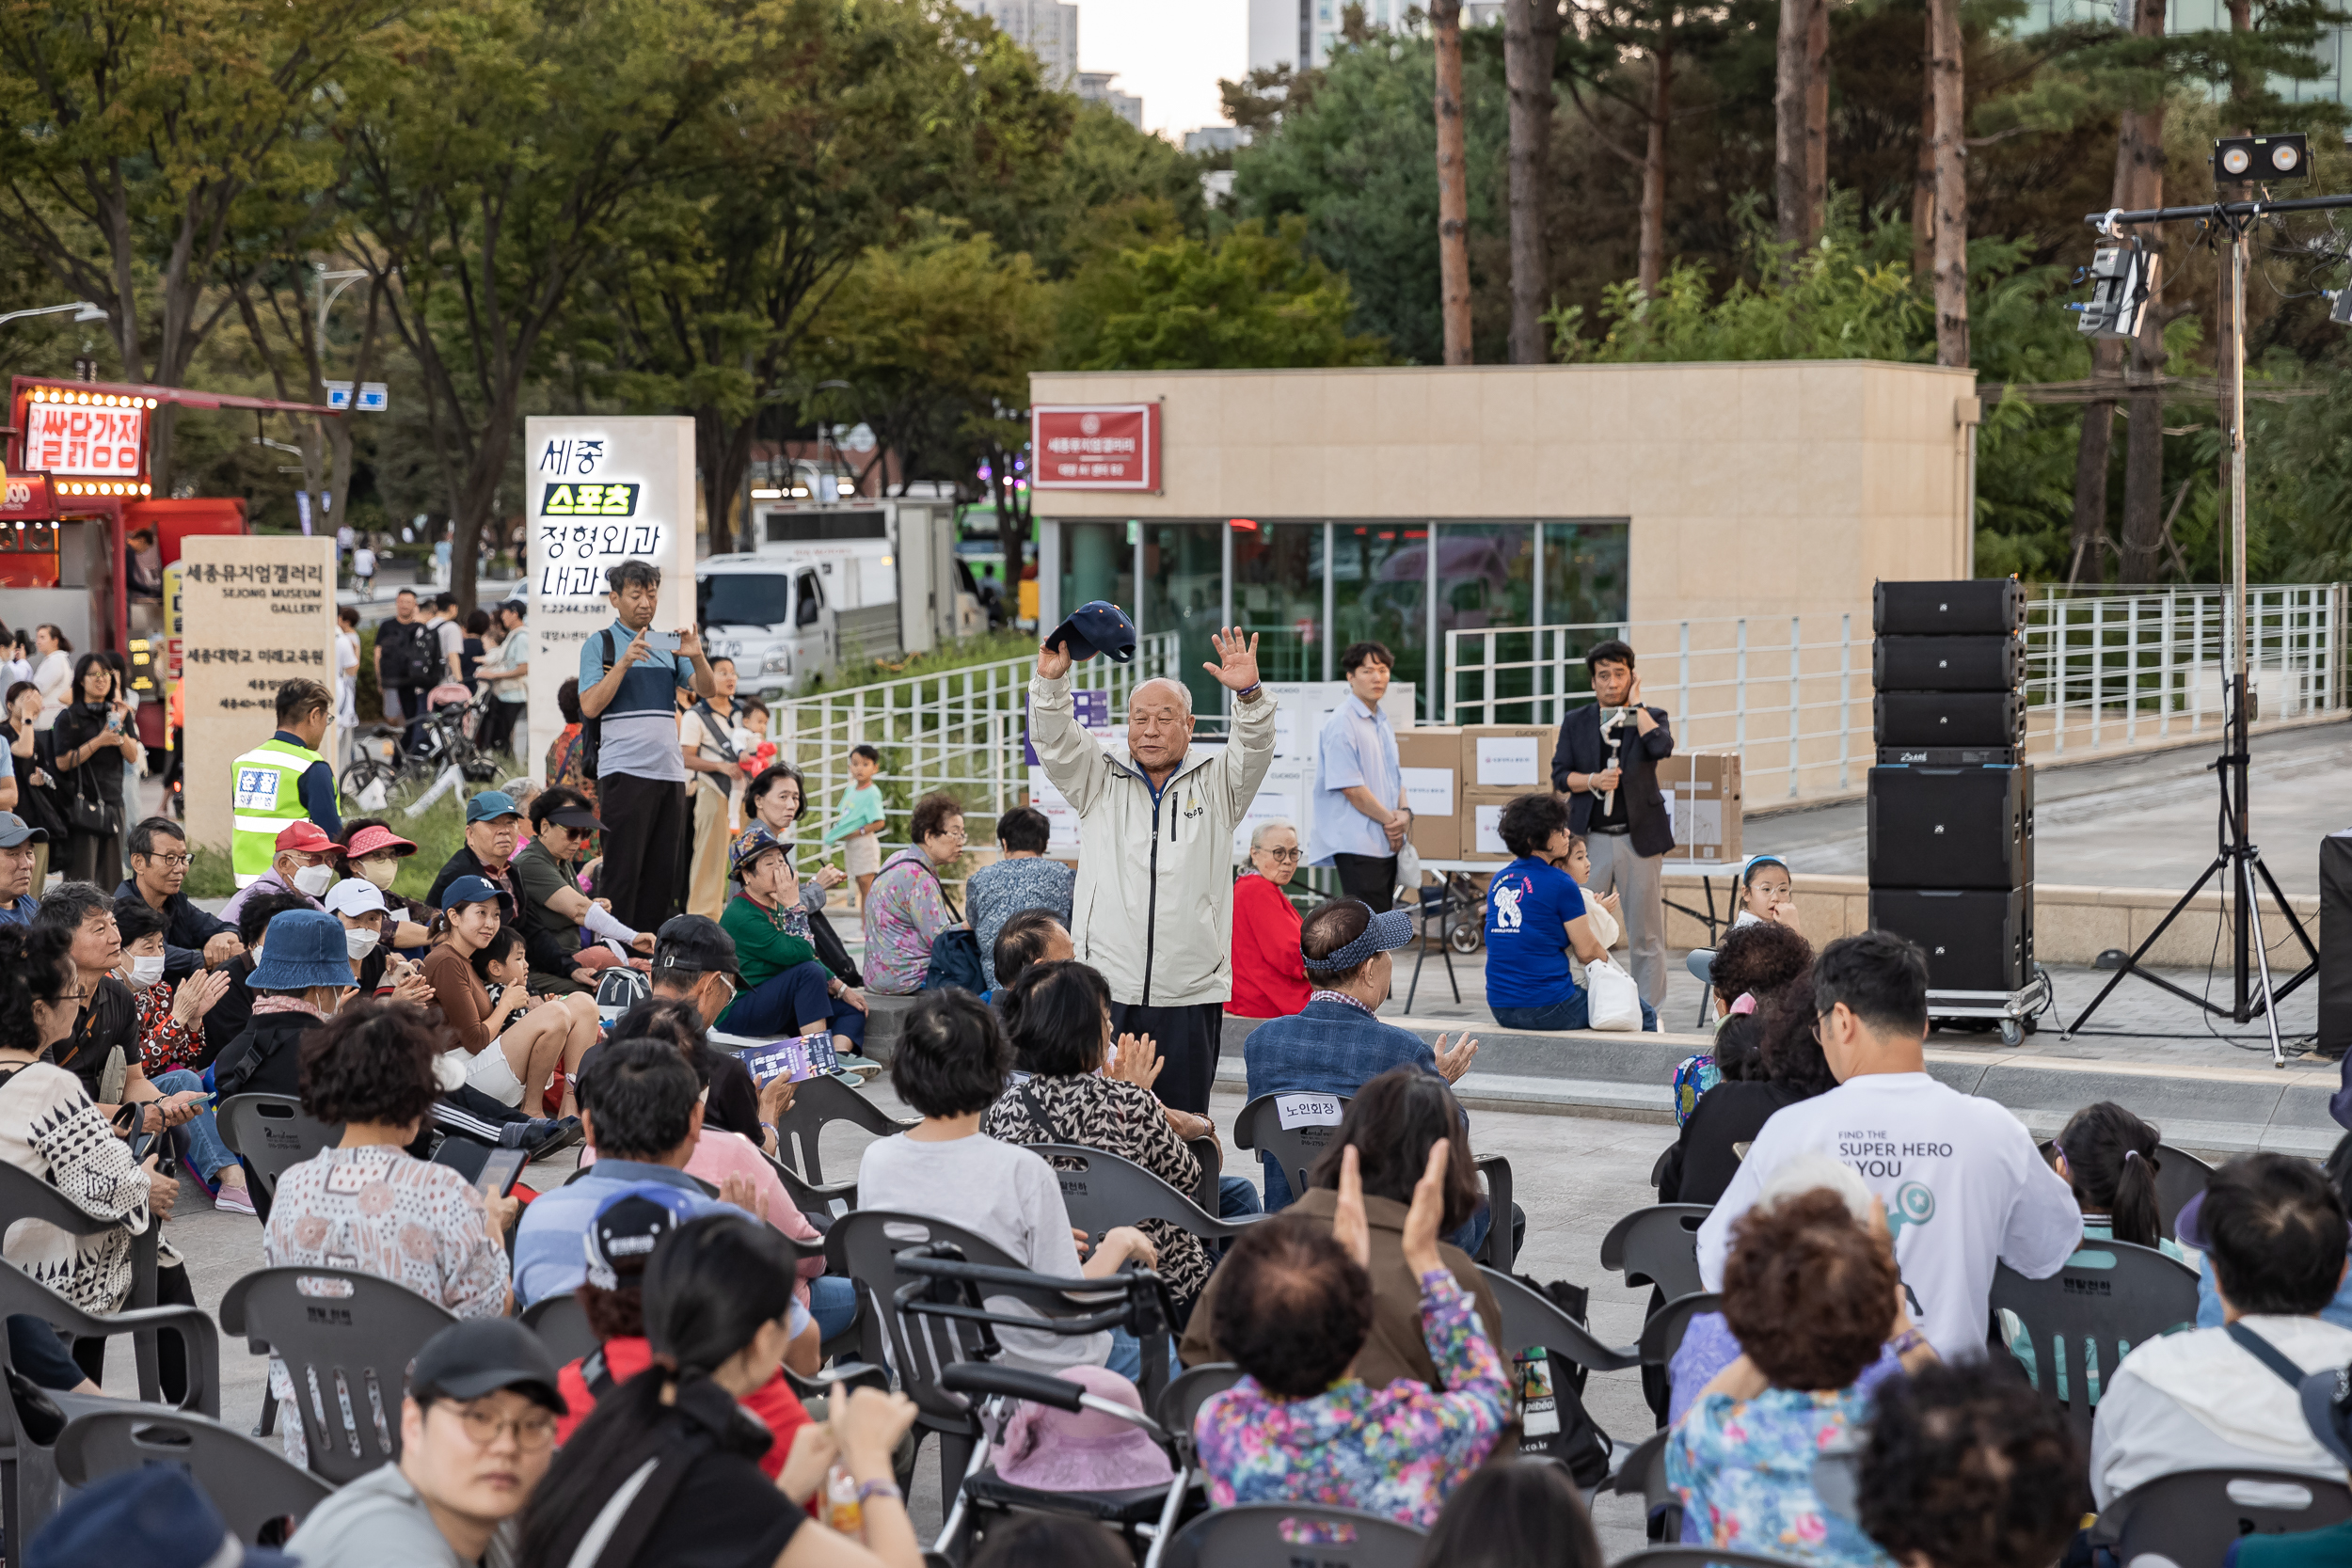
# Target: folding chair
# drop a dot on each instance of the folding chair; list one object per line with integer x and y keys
{"x": 1662, "y": 1331}
{"x": 1642, "y": 1473}
{"x": 2191, "y": 1517}
{"x": 2180, "y": 1176}
{"x": 1293, "y": 1536}
{"x": 1658, "y": 1245}
{"x": 2111, "y": 1296}
{"x": 1314, "y": 1122}
{"x": 272, "y": 1132}
{"x": 346, "y": 1340}
{"x": 817, "y": 1104}
{"x": 1103, "y": 1189}
{"x": 26, "y": 1196}
{"x": 1530, "y": 1319}
{"x": 562, "y": 1324}
{"x": 250, "y": 1482}
{"x": 1187, "y": 1392}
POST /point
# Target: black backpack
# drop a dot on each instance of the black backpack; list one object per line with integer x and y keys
{"x": 592, "y": 724}
{"x": 399, "y": 647}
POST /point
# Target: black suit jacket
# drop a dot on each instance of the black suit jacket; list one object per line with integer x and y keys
{"x": 1582, "y": 750}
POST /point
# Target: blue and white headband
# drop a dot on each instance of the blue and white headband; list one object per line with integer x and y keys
{"x": 1385, "y": 933}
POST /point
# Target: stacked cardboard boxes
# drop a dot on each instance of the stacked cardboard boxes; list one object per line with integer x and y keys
{"x": 1499, "y": 762}
{"x": 1430, "y": 757}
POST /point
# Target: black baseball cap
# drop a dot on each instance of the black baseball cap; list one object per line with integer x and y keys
{"x": 575, "y": 817}
{"x": 1098, "y": 628}
{"x": 482, "y": 1355}
{"x": 694, "y": 942}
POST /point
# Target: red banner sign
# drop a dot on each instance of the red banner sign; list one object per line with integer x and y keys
{"x": 85, "y": 440}
{"x": 1095, "y": 446}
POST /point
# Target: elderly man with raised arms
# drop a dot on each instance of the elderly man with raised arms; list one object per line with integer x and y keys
{"x": 1152, "y": 908}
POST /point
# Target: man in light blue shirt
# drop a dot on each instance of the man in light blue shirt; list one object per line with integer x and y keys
{"x": 642, "y": 1112}
{"x": 1361, "y": 819}
{"x": 628, "y": 682}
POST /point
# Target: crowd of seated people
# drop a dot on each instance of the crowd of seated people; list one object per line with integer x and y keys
{"x": 1859, "y": 1210}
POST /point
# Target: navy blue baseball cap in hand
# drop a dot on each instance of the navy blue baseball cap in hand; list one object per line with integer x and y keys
{"x": 1098, "y": 628}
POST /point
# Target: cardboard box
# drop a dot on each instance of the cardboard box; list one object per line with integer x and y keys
{"x": 1702, "y": 790}
{"x": 1437, "y": 838}
{"x": 1481, "y": 823}
{"x": 1517, "y": 757}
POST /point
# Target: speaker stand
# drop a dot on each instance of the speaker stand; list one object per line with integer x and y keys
{"x": 2254, "y": 995}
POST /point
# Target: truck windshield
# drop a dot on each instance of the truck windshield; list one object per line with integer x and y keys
{"x": 762, "y": 600}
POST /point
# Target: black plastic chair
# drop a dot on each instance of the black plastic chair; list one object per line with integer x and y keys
{"x": 1658, "y": 1245}
{"x": 1531, "y": 1319}
{"x": 28, "y": 1470}
{"x": 1101, "y": 1190}
{"x": 249, "y": 1481}
{"x": 2191, "y": 1517}
{"x": 2180, "y": 1176}
{"x": 866, "y": 1245}
{"x": 26, "y": 1196}
{"x": 1662, "y": 1331}
{"x": 1643, "y": 1473}
{"x": 1295, "y": 1148}
{"x": 1212, "y": 1157}
{"x": 1258, "y": 1535}
{"x": 1702, "y": 1557}
{"x": 1187, "y": 1392}
{"x": 346, "y": 1340}
{"x": 2082, "y": 1320}
{"x": 272, "y": 1132}
{"x": 562, "y": 1324}
{"x": 817, "y": 1104}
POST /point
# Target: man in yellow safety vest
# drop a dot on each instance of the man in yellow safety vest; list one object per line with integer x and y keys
{"x": 284, "y": 780}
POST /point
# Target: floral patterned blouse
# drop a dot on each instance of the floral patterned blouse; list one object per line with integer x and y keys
{"x": 1743, "y": 1469}
{"x": 1111, "y": 1114}
{"x": 165, "y": 1043}
{"x": 377, "y": 1211}
{"x": 1396, "y": 1452}
{"x": 904, "y": 913}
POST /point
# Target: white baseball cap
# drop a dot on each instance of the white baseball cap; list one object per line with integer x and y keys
{"x": 356, "y": 896}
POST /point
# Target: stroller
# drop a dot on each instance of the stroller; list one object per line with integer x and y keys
{"x": 944, "y": 1337}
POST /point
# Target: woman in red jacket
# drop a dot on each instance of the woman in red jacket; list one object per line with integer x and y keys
{"x": 1269, "y": 975}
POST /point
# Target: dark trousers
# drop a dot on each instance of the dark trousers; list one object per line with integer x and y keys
{"x": 411, "y": 709}
{"x": 790, "y": 1003}
{"x": 1187, "y": 1039}
{"x": 1370, "y": 878}
{"x": 92, "y": 857}
{"x": 643, "y": 820}
{"x": 498, "y": 727}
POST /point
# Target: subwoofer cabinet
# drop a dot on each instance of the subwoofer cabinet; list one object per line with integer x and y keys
{"x": 1975, "y": 940}
{"x": 1968, "y": 827}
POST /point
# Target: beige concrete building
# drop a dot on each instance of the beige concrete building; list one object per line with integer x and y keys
{"x": 1730, "y": 517}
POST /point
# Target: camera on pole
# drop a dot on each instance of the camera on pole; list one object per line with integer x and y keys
{"x": 2123, "y": 279}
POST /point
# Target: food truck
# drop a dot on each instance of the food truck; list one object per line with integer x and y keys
{"x": 76, "y": 490}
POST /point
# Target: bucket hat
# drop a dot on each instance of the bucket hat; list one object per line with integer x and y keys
{"x": 1055, "y": 1451}
{"x": 303, "y": 948}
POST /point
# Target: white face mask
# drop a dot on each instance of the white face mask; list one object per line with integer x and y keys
{"x": 380, "y": 871}
{"x": 360, "y": 941}
{"x": 314, "y": 879}
{"x": 145, "y": 972}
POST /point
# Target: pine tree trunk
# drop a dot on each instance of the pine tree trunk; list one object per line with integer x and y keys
{"x": 1653, "y": 251}
{"x": 1531, "y": 42}
{"x": 1816, "y": 120}
{"x": 2086, "y": 557}
{"x": 1453, "y": 289}
{"x": 2139, "y": 184}
{"x": 1790, "y": 83}
{"x": 1923, "y": 174}
{"x": 1951, "y": 188}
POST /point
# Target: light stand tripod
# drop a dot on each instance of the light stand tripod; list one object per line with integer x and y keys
{"x": 2236, "y": 852}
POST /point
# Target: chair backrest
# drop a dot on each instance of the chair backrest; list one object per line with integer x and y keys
{"x": 1180, "y": 1404}
{"x": 867, "y": 1245}
{"x": 1658, "y": 1245}
{"x": 2082, "y": 1319}
{"x": 273, "y": 1131}
{"x": 1212, "y": 1157}
{"x": 815, "y": 1104}
{"x": 1701, "y": 1557}
{"x": 1294, "y": 1535}
{"x": 21, "y": 1294}
{"x": 1313, "y": 1121}
{"x": 1662, "y": 1332}
{"x": 2191, "y": 1517}
{"x": 2180, "y": 1176}
{"x": 1499, "y": 1250}
{"x": 249, "y": 1481}
{"x": 1530, "y": 1319}
{"x": 346, "y": 1340}
{"x": 1101, "y": 1190}
{"x": 562, "y": 1324}
{"x": 26, "y": 1196}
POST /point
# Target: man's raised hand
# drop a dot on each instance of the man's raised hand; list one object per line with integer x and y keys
{"x": 1235, "y": 666}
{"x": 1453, "y": 1063}
{"x": 1053, "y": 661}
{"x": 638, "y": 651}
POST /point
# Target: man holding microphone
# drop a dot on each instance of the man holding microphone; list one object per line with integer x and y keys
{"x": 1606, "y": 763}
{"x": 1153, "y": 902}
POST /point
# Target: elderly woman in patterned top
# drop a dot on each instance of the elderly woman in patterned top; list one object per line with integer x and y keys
{"x": 365, "y": 1204}
{"x": 1024, "y": 880}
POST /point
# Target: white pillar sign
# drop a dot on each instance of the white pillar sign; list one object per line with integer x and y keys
{"x": 256, "y": 610}
{"x": 601, "y": 491}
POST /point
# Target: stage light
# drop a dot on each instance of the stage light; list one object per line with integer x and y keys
{"x": 2284, "y": 156}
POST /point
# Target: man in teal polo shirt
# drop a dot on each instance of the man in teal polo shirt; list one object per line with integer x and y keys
{"x": 628, "y": 680}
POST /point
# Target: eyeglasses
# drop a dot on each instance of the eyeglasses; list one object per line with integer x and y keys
{"x": 172, "y": 862}
{"x": 1282, "y": 857}
{"x": 533, "y": 1430}
{"x": 955, "y": 832}
{"x": 728, "y": 982}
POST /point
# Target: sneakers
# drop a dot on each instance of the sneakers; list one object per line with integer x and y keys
{"x": 234, "y": 1198}
{"x": 855, "y": 1067}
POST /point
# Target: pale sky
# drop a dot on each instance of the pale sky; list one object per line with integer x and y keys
{"x": 1170, "y": 51}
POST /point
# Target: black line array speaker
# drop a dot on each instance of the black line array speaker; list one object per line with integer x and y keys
{"x": 1951, "y": 801}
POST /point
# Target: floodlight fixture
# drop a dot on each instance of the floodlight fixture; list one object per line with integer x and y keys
{"x": 2284, "y": 156}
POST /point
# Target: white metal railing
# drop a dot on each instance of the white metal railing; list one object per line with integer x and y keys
{"x": 1793, "y": 694}
{"x": 958, "y": 730}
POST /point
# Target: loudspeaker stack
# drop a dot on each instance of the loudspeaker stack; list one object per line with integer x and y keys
{"x": 1951, "y": 796}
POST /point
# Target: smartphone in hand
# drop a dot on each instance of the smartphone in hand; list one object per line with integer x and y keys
{"x": 500, "y": 1171}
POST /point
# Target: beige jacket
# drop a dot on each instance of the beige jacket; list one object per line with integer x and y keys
{"x": 1153, "y": 904}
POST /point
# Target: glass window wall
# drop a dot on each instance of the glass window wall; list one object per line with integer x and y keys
{"x": 1184, "y": 591}
{"x": 1277, "y": 594}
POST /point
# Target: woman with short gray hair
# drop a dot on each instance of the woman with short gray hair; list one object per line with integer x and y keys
{"x": 1269, "y": 975}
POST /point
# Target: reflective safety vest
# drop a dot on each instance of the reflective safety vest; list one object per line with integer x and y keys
{"x": 268, "y": 797}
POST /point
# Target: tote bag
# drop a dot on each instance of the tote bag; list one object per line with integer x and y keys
{"x": 1613, "y": 1000}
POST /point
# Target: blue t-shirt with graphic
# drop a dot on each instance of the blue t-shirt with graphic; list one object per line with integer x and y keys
{"x": 1528, "y": 908}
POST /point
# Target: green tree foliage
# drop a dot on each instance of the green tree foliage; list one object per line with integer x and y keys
{"x": 1248, "y": 299}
